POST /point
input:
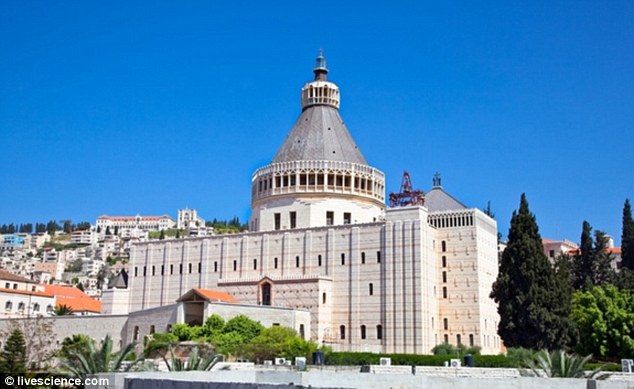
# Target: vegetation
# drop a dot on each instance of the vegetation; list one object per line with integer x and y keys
{"x": 162, "y": 234}
{"x": 91, "y": 359}
{"x": 529, "y": 302}
{"x": 51, "y": 227}
{"x": 592, "y": 263}
{"x": 13, "y": 359}
{"x": 627, "y": 237}
{"x": 559, "y": 364}
{"x": 232, "y": 226}
{"x": 605, "y": 319}
{"x": 240, "y": 337}
{"x": 63, "y": 310}
{"x": 39, "y": 345}
{"x": 278, "y": 341}
{"x": 193, "y": 362}
{"x": 460, "y": 350}
{"x": 158, "y": 342}
{"x": 75, "y": 344}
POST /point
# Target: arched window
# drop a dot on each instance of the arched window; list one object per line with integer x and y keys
{"x": 8, "y": 305}
{"x": 363, "y": 332}
{"x": 21, "y": 307}
{"x": 379, "y": 331}
{"x": 342, "y": 332}
{"x": 36, "y": 307}
{"x": 266, "y": 293}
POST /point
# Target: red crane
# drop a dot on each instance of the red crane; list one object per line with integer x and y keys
{"x": 407, "y": 195}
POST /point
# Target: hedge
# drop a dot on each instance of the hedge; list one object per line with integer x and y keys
{"x": 499, "y": 361}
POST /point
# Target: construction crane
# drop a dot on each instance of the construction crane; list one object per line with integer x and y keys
{"x": 407, "y": 195}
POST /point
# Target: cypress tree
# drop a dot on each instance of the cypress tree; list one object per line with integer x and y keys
{"x": 583, "y": 259}
{"x": 532, "y": 314}
{"x": 627, "y": 237}
{"x": 602, "y": 272}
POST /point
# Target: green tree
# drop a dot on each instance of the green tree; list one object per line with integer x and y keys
{"x": 96, "y": 359}
{"x": 627, "y": 237}
{"x": 13, "y": 358}
{"x": 624, "y": 279}
{"x": 52, "y": 227}
{"x": 602, "y": 266}
{"x": 228, "y": 343}
{"x": 605, "y": 319}
{"x": 244, "y": 326}
{"x": 213, "y": 325}
{"x": 529, "y": 304}
{"x": 583, "y": 260}
{"x": 279, "y": 341}
{"x": 67, "y": 226}
{"x": 162, "y": 236}
{"x": 83, "y": 226}
{"x": 592, "y": 263}
{"x": 186, "y": 332}
{"x": 40, "y": 346}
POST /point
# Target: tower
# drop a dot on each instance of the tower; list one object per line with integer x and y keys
{"x": 319, "y": 176}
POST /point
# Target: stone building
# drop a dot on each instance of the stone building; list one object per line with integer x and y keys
{"x": 321, "y": 239}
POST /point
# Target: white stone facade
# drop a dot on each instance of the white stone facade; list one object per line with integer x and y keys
{"x": 126, "y": 223}
{"x": 188, "y": 218}
{"x": 396, "y": 280}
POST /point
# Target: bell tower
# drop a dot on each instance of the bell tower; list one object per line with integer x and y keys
{"x": 319, "y": 176}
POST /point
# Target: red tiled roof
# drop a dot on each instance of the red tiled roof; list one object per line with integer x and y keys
{"x": 74, "y": 298}
{"x": 208, "y": 295}
{"x": 8, "y": 276}
{"x": 133, "y": 218}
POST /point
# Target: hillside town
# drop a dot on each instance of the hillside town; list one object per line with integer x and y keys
{"x": 68, "y": 266}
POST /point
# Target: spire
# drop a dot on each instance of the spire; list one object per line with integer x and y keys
{"x": 320, "y": 91}
{"x": 320, "y": 68}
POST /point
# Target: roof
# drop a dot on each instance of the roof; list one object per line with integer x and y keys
{"x": 133, "y": 218}
{"x": 120, "y": 281}
{"x": 26, "y": 292}
{"x": 8, "y": 276}
{"x": 200, "y": 294}
{"x": 437, "y": 200}
{"x": 73, "y": 298}
{"x": 319, "y": 135}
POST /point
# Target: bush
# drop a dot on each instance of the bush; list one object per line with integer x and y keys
{"x": 158, "y": 342}
{"x": 517, "y": 355}
{"x": 358, "y": 359}
{"x": 449, "y": 349}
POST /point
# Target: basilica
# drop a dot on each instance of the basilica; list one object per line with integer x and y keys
{"x": 321, "y": 240}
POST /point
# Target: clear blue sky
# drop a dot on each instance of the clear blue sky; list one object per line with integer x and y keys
{"x": 145, "y": 107}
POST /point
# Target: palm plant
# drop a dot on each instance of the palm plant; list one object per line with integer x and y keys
{"x": 93, "y": 359}
{"x": 193, "y": 362}
{"x": 559, "y": 364}
{"x": 63, "y": 310}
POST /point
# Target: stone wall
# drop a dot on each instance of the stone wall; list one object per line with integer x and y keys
{"x": 96, "y": 327}
{"x": 326, "y": 379}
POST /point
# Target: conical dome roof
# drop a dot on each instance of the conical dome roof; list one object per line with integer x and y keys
{"x": 319, "y": 135}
